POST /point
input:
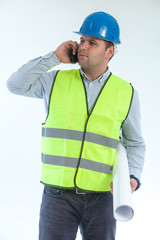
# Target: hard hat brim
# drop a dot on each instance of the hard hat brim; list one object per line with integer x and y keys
{"x": 89, "y": 34}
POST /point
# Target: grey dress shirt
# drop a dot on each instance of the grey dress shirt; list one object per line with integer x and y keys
{"x": 35, "y": 80}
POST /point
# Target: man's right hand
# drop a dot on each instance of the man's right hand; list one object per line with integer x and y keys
{"x": 62, "y": 52}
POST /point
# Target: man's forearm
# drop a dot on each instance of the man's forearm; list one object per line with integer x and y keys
{"x": 22, "y": 82}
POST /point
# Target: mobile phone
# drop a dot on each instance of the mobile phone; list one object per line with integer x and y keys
{"x": 73, "y": 58}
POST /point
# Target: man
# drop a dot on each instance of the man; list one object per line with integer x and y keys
{"x": 87, "y": 111}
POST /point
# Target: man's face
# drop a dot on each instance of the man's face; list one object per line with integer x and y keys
{"x": 92, "y": 52}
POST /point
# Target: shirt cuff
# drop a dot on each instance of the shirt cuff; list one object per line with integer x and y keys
{"x": 52, "y": 56}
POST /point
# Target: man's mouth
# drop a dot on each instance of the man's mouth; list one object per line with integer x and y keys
{"x": 81, "y": 54}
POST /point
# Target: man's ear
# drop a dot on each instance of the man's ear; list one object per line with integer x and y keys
{"x": 109, "y": 53}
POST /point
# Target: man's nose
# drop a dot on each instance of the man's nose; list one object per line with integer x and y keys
{"x": 84, "y": 45}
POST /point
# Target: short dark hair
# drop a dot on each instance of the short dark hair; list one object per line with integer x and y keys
{"x": 109, "y": 44}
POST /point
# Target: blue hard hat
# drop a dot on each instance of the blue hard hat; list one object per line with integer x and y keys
{"x": 101, "y": 25}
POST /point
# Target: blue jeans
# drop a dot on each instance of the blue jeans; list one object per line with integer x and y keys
{"x": 63, "y": 211}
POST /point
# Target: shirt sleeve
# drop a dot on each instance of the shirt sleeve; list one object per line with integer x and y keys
{"x": 132, "y": 138}
{"x": 33, "y": 78}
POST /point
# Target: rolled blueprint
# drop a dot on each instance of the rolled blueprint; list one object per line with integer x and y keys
{"x": 122, "y": 195}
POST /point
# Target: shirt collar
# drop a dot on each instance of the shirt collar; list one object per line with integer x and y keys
{"x": 99, "y": 80}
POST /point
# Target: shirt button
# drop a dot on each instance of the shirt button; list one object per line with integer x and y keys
{"x": 91, "y": 84}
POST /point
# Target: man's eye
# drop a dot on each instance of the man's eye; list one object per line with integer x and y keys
{"x": 92, "y": 43}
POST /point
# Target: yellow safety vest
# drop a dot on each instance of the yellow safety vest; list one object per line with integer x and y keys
{"x": 78, "y": 148}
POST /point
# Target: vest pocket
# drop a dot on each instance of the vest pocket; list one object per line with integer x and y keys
{"x": 52, "y": 192}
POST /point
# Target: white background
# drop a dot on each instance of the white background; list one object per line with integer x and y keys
{"x": 32, "y": 28}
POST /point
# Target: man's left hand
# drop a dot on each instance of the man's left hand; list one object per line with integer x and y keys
{"x": 134, "y": 184}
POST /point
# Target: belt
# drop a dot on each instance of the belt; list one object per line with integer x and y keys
{"x": 51, "y": 189}
{"x": 73, "y": 190}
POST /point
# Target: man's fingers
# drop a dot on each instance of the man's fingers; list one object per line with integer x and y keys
{"x": 134, "y": 184}
{"x": 74, "y": 46}
{"x": 62, "y": 52}
{"x": 111, "y": 185}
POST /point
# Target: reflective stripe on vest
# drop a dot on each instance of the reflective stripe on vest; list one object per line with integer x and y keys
{"x": 78, "y": 149}
{"x": 77, "y": 135}
{"x": 73, "y": 162}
